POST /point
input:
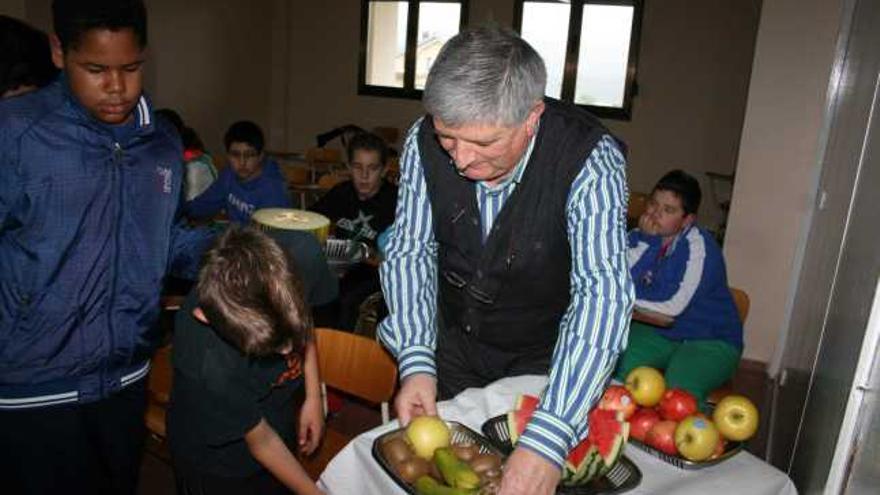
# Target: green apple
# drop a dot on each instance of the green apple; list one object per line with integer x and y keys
{"x": 696, "y": 438}
{"x": 646, "y": 386}
{"x": 736, "y": 418}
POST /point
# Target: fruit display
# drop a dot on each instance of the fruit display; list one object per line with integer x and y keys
{"x": 431, "y": 459}
{"x": 594, "y": 456}
{"x": 670, "y": 422}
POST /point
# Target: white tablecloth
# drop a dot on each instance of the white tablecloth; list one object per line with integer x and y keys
{"x": 354, "y": 471}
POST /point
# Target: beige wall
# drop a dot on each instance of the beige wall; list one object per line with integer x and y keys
{"x": 779, "y": 160}
{"x": 210, "y": 60}
{"x": 13, "y": 8}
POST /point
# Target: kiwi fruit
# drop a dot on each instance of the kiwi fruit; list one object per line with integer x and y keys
{"x": 412, "y": 469}
{"x": 485, "y": 462}
{"x": 396, "y": 451}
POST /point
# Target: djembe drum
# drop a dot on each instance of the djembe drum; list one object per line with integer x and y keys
{"x": 292, "y": 219}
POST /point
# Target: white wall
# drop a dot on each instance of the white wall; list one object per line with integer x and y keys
{"x": 779, "y": 160}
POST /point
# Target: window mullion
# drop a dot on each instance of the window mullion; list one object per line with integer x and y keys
{"x": 569, "y": 77}
{"x": 412, "y": 28}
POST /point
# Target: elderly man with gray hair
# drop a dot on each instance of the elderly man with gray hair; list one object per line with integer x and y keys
{"x": 508, "y": 253}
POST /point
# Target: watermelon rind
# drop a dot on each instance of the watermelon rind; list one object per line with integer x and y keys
{"x": 521, "y": 415}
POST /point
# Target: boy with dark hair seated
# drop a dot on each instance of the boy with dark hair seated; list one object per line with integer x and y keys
{"x": 250, "y": 182}
{"x": 360, "y": 209}
{"x": 678, "y": 270}
{"x": 243, "y": 344}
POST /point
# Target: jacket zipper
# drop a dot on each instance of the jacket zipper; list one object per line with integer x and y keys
{"x": 115, "y": 188}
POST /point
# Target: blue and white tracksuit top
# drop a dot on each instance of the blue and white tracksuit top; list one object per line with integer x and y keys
{"x": 688, "y": 282}
{"x": 242, "y": 199}
{"x": 87, "y": 233}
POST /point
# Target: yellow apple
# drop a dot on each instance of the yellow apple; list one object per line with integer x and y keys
{"x": 696, "y": 438}
{"x": 736, "y": 418}
{"x": 427, "y": 434}
{"x": 646, "y": 386}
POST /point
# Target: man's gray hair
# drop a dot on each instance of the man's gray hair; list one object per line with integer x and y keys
{"x": 487, "y": 75}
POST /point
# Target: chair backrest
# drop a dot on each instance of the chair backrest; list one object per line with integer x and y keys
{"x": 323, "y": 155}
{"x": 741, "y": 300}
{"x": 638, "y": 203}
{"x": 356, "y": 365}
{"x": 328, "y": 181}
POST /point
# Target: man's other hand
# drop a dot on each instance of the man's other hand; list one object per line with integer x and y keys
{"x": 417, "y": 397}
{"x": 527, "y": 473}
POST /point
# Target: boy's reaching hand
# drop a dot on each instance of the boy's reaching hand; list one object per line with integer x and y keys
{"x": 311, "y": 425}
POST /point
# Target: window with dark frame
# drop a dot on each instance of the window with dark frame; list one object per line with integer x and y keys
{"x": 400, "y": 40}
{"x": 590, "y": 48}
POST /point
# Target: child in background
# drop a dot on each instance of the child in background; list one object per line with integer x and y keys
{"x": 360, "y": 209}
{"x": 243, "y": 344}
{"x": 678, "y": 270}
{"x": 200, "y": 171}
{"x": 250, "y": 182}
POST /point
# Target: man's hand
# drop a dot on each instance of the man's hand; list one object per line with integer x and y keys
{"x": 417, "y": 397}
{"x": 311, "y": 425}
{"x": 527, "y": 473}
{"x": 647, "y": 225}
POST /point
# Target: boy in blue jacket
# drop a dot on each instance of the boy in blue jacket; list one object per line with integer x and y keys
{"x": 89, "y": 189}
{"x": 250, "y": 182}
{"x": 678, "y": 270}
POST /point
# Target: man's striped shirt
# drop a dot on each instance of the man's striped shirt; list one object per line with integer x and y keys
{"x": 594, "y": 327}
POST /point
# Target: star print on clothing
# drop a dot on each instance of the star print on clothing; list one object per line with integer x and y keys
{"x": 358, "y": 228}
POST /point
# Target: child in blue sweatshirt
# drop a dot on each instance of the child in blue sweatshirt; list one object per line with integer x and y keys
{"x": 250, "y": 182}
{"x": 678, "y": 270}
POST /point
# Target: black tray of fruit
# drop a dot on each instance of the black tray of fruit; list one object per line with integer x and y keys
{"x": 462, "y": 438}
{"x": 730, "y": 450}
{"x": 623, "y": 476}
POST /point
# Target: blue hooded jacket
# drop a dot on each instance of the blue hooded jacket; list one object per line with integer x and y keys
{"x": 87, "y": 234}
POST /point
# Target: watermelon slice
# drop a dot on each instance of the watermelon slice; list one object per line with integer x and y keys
{"x": 593, "y": 456}
{"x": 526, "y": 405}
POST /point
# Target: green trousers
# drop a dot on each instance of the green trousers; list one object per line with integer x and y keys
{"x": 698, "y": 366}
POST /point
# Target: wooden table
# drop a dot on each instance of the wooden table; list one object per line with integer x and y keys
{"x": 652, "y": 317}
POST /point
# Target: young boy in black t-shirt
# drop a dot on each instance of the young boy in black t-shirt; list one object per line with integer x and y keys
{"x": 242, "y": 345}
{"x": 360, "y": 209}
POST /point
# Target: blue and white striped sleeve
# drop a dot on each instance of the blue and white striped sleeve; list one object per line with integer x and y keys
{"x": 594, "y": 329}
{"x": 409, "y": 272}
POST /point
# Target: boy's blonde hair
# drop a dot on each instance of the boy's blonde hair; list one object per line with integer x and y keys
{"x": 250, "y": 295}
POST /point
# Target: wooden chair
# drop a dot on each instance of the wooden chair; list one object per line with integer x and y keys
{"x": 355, "y": 365}
{"x": 638, "y": 203}
{"x": 328, "y": 181}
{"x": 742, "y": 303}
{"x": 159, "y": 392}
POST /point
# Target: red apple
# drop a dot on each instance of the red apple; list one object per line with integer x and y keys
{"x": 719, "y": 449}
{"x": 641, "y": 422}
{"x": 646, "y": 385}
{"x": 661, "y": 436}
{"x": 677, "y": 404}
{"x": 618, "y": 398}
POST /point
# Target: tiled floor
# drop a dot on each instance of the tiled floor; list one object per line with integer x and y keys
{"x": 354, "y": 418}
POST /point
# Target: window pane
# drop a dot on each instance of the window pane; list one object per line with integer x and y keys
{"x": 603, "y": 56}
{"x": 437, "y": 23}
{"x": 386, "y": 43}
{"x": 545, "y": 27}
